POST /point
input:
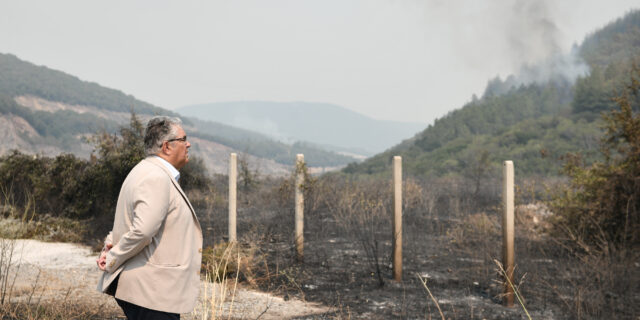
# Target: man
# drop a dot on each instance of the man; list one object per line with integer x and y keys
{"x": 151, "y": 258}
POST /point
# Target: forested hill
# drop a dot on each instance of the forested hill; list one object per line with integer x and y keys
{"x": 19, "y": 78}
{"x": 47, "y": 111}
{"x": 533, "y": 123}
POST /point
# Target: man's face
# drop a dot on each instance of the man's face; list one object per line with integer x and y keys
{"x": 179, "y": 150}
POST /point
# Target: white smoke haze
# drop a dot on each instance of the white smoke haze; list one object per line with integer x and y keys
{"x": 531, "y": 32}
{"x": 535, "y": 43}
{"x": 558, "y": 67}
{"x": 522, "y": 39}
{"x": 520, "y": 42}
{"x": 266, "y": 126}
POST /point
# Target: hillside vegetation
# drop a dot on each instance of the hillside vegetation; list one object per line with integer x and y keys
{"x": 64, "y": 129}
{"x": 68, "y": 198}
{"x": 534, "y": 124}
{"x": 21, "y": 78}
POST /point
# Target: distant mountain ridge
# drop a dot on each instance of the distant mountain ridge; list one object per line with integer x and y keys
{"x": 329, "y": 125}
{"x": 48, "y": 111}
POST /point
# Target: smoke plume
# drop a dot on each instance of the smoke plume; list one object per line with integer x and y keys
{"x": 534, "y": 41}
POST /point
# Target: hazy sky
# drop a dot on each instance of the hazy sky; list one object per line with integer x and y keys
{"x": 389, "y": 59}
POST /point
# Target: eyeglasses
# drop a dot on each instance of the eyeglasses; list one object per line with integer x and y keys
{"x": 183, "y": 139}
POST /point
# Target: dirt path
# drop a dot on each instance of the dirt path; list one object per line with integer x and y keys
{"x": 67, "y": 272}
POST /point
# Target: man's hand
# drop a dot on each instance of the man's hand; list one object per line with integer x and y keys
{"x": 102, "y": 260}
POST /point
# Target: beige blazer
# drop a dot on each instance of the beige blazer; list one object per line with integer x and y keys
{"x": 157, "y": 242}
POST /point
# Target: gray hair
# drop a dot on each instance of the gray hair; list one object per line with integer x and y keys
{"x": 160, "y": 129}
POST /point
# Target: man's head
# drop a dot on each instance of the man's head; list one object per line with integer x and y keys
{"x": 165, "y": 138}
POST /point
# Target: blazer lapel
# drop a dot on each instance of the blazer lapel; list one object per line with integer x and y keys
{"x": 175, "y": 184}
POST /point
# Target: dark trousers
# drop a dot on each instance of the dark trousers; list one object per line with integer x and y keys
{"x": 135, "y": 312}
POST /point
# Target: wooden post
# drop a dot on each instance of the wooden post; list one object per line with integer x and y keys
{"x": 233, "y": 173}
{"x": 299, "y": 203}
{"x": 397, "y": 218}
{"x": 508, "y": 234}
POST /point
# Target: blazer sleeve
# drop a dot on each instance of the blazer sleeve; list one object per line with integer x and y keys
{"x": 150, "y": 208}
{"x": 108, "y": 239}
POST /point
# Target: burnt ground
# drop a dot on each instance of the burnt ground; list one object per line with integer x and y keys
{"x": 456, "y": 259}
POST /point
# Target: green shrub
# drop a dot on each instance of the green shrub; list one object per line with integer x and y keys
{"x": 601, "y": 205}
{"x": 68, "y": 192}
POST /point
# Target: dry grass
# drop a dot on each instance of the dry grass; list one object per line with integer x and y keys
{"x": 220, "y": 262}
{"x": 513, "y": 287}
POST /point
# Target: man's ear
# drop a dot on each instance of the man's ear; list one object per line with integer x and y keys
{"x": 165, "y": 147}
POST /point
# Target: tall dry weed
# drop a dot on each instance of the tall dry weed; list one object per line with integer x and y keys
{"x": 362, "y": 210}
